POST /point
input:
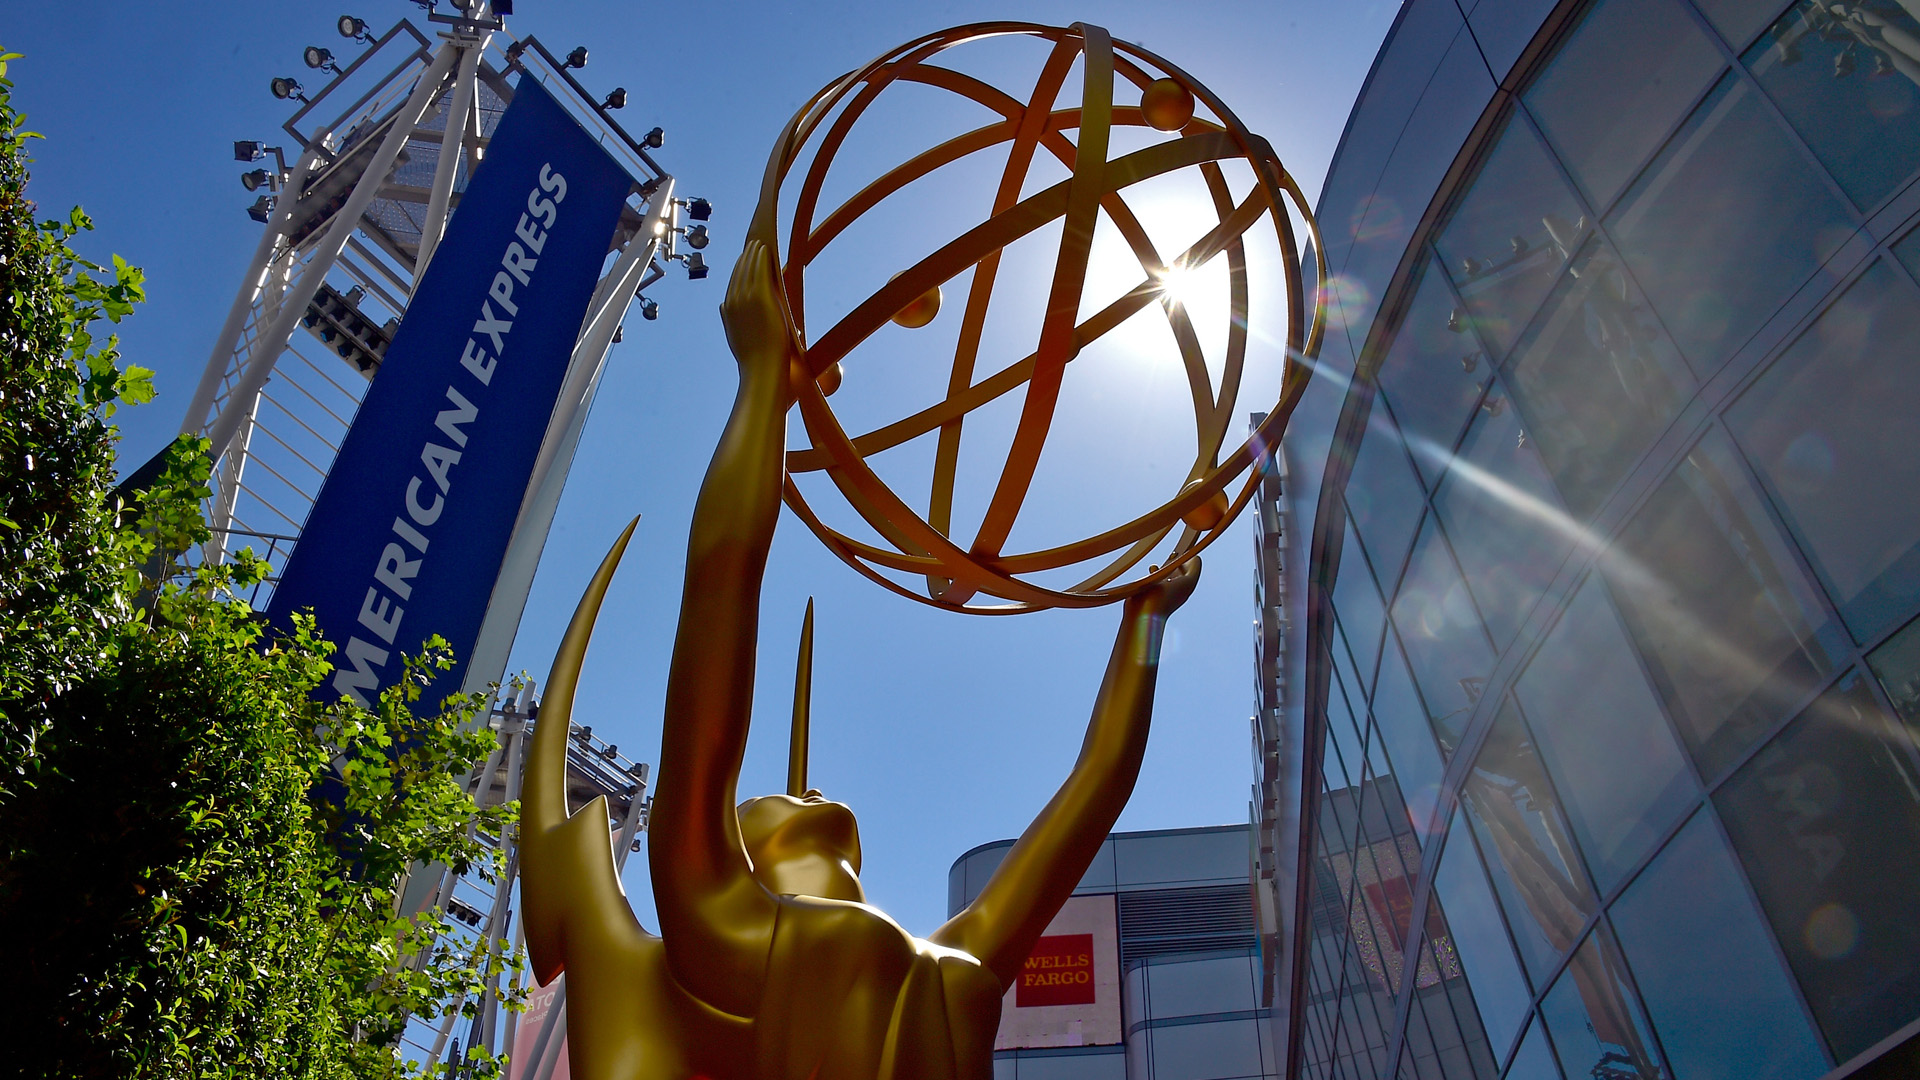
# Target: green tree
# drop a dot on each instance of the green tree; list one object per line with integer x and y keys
{"x": 199, "y": 857}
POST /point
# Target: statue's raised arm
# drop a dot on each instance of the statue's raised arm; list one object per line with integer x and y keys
{"x": 1047, "y": 862}
{"x": 717, "y": 920}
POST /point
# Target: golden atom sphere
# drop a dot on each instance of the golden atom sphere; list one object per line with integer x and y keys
{"x": 979, "y": 575}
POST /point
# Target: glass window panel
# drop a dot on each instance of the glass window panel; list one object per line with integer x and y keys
{"x": 1206, "y": 1051}
{"x": 1729, "y": 626}
{"x": 1908, "y": 250}
{"x": 1723, "y": 1005}
{"x": 1472, "y": 1057}
{"x": 1618, "y": 85}
{"x": 1216, "y": 984}
{"x": 1333, "y": 765}
{"x": 1421, "y": 1045}
{"x": 1847, "y": 76}
{"x": 1688, "y": 226}
{"x": 1344, "y": 669}
{"x": 1595, "y": 1019}
{"x": 1831, "y": 429}
{"x": 1441, "y": 631}
{"x": 1607, "y": 747}
{"x": 1480, "y": 940}
{"x": 1529, "y": 851}
{"x": 1500, "y": 508}
{"x": 1433, "y": 374}
{"x": 1343, "y": 727}
{"x": 1739, "y": 20}
{"x": 1071, "y": 1067}
{"x": 1392, "y": 802}
{"x": 1897, "y": 663}
{"x": 1384, "y": 496}
{"x": 1827, "y": 821}
{"x": 1400, "y": 723}
{"x": 1338, "y": 819}
{"x": 1358, "y": 602}
{"x": 1329, "y": 916}
{"x": 1366, "y": 1009}
{"x": 1534, "y": 1060}
{"x": 1598, "y": 380}
{"x": 1510, "y": 237}
{"x": 1458, "y": 1031}
{"x": 1387, "y": 868}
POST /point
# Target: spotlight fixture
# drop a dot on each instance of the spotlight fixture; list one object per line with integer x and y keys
{"x": 262, "y": 209}
{"x": 654, "y": 139}
{"x": 696, "y": 235}
{"x": 649, "y": 308}
{"x": 578, "y": 57}
{"x": 252, "y": 181}
{"x": 284, "y": 88}
{"x": 696, "y": 267}
{"x": 616, "y": 100}
{"x": 248, "y": 150}
{"x": 699, "y": 209}
{"x": 319, "y": 59}
{"x": 351, "y": 27}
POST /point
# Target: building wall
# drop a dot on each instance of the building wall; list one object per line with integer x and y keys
{"x": 1599, "y": 652}
{"x": 1191, "y": 1003}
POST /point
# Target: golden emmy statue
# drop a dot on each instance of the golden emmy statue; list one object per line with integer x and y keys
{"x": 769, "y": 963}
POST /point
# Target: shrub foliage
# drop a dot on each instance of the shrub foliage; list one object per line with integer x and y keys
{"x": 199, "y": 858}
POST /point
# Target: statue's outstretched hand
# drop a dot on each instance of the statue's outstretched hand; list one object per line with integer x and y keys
{"x": 755, "y": 318}
{"x": 1165, "y": 598}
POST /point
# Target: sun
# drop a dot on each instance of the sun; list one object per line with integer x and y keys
{"x": 1179, "y": 285}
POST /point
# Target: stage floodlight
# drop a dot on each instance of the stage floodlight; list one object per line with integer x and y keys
{"x": 699, "y": 209}
{"x": 317, "y": 57}
{"x": 696, "y": 267}
{"x": 284, "y": 88}
{"x": 696, "y": 236}
{"x": 248, "y": 150}
{"x": 578, "y": 57}
{"x": 649, "y": 308}
{"x": 654, "y": 139}
{"x": 252, "y": 181}
{"x": 351, "y": 27}
{"x": 262, "y": 209}
{"x": 616, "y": 100}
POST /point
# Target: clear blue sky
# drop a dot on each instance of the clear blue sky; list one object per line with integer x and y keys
{"x": 941, "y": 731}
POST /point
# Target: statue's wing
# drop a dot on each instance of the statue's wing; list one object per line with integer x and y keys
{"x": 570, "y": 892}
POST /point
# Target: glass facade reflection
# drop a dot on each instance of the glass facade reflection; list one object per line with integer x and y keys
{"x": 1598, "y": 651}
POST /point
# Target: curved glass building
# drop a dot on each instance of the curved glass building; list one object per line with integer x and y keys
{"x": 1589, "y": 713}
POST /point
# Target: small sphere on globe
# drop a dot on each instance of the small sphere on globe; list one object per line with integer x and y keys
{"x": 920, "y": 311}
{"x": 830, "y": 379}
{"x": 1209, "y": 513}
{"x": 1167, "y": 105}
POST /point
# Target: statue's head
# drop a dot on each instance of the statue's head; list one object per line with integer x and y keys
{"x": 803, "y": 845}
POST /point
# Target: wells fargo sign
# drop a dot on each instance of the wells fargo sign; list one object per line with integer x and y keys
{"x": 1068, "y": 991}
{"x": 1059, "y": 971}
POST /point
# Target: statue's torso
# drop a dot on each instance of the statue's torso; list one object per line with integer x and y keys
{"x": 847, "y": 995}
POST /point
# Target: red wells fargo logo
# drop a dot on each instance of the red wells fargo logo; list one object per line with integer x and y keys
{"x": 1059, "y": 971}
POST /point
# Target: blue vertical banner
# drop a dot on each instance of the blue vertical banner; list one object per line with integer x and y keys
{"x": 408, "y": 532}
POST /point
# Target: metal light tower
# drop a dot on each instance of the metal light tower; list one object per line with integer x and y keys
{"x": 380, "y": 156}
{"x": 354, "y": 208}
{"x": 595, "y": 768}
